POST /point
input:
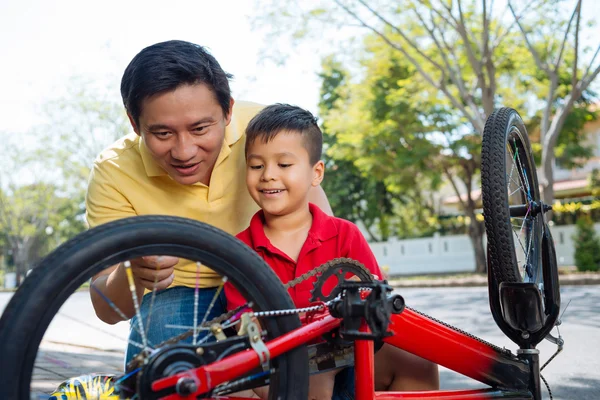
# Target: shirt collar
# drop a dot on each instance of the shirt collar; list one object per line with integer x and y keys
{"x": 233, "y": 131}
{"x": 322, "y": 228}
{"x": 152, "y": 168}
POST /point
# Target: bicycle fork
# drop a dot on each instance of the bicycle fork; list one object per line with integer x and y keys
{"x": 532, "y": 357}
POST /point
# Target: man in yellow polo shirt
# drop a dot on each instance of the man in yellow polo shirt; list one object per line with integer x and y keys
{"x": 186, "y": 158}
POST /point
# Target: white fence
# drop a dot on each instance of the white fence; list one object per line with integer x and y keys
{"x": 449, "y": 254}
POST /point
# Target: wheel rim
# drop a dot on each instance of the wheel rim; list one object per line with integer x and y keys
{"x": 524, "y": 208}
{"x": 30, "y": 363}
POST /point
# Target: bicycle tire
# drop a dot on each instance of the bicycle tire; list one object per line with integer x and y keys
{"x": 29, "y": 312}
{"x": 505, "y": 128}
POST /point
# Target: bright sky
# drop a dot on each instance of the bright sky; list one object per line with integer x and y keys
{"x": 43, "y": 43}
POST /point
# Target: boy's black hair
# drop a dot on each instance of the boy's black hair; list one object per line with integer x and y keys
{"x": 165, "y": 66}
{"x": 277, "y": 118}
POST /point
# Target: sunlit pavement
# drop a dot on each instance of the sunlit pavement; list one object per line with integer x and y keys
{"x": 78, "y": 343}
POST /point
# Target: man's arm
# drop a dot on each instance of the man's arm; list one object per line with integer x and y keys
{"x": 318, "y": 197}
{"x": 110, "y": 287}
{"x": 113, "y": 284}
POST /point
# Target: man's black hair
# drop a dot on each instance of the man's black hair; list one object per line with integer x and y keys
{"x": 278, "y": 118}
{"x": 165, "y": 66}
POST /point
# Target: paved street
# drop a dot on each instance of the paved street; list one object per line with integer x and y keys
{"x": 78, "y": 343}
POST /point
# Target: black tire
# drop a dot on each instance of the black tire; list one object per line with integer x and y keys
{"x": 505, "y": 136}
{"x": 28, "y": 314}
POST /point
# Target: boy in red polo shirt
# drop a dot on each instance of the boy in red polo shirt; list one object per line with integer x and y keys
{"x": 283, "y": 157}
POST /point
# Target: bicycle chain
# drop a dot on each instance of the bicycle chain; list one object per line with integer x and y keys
{"x": 294, "y": 282}
{"x": 223, "y": 317}
{"x": 312, "y": 273}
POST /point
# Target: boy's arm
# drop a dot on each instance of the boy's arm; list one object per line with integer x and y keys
{"x": 317, "y": 196}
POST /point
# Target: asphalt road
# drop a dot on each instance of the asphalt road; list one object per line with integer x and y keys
{"x": 574, "y": 374}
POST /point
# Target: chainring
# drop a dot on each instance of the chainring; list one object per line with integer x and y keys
{"x": 338, "y": 267}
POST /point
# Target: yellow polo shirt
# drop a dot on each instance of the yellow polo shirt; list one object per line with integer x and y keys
{"x": 126, "y": 181}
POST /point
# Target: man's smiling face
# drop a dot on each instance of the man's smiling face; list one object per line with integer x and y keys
{"x": 184, "y": 131}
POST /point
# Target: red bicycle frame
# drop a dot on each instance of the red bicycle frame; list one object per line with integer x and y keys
{"x": 413, "y": 332}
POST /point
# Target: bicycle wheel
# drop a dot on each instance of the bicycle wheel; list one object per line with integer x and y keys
{"x": 511, "y": 200}
{"x": 32, "y": 308}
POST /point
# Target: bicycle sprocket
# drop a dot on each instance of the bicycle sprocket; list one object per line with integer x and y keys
{"x": 339, "y": 268}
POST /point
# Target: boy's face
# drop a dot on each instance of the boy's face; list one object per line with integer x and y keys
{"x": 279, "y": 174}
{"x": 184, "y": 130}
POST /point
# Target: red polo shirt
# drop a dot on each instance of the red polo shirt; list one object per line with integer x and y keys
{"x": 328, "y": 238}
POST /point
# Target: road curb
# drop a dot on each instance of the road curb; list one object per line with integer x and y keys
{"x": 477, "y": 281}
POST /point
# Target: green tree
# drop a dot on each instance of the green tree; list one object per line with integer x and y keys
{"x": 80, "y": 124}
{"x": 462, "y": 50}
{"x": 395, "y": 133}
{"x": 587, "y": 245}
{"x": 36, "y": 215}
{"x": 24, "y": 215}
{"x": 555, "y": 46}
{"x": 353, "y": 195}
{"x": 594, "y": 182}
{"x": 469, "y": 57}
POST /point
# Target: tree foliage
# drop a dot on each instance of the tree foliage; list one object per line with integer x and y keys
{"x": 353, "y": 195}
{"x": 42, "y": 186}
{"x": 80, "y": 124}
{"x": 587, "y": 245}
{"x": 464, "y": 59}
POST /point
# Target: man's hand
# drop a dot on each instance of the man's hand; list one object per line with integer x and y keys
{"x": 154, "y": 271}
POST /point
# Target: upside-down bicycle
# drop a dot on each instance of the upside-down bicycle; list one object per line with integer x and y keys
{"x": 272, "y": 346}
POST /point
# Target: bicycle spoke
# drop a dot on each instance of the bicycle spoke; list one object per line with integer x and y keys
{"x": 210, "y": 307}
{"x": 71, "y": 318}
{"x": 529, "y": 252}
{"x": 152, "y": 301}
{"x": 529, "y": 235}
{"x": 524, "y": 177}
{"x": 511, "y": 178}
{"x": 521, "y": 226}
{"x": 196, "y": 299}
{"x": 118, "y": 383}
{"x": 515, "y": 191}
{"x": 171, "y": 326}
{"x": 513, "y": 167}
{"x": 524, "y": 220}
{"x": 114, "y": 307}
{"x": 136, "y": 304}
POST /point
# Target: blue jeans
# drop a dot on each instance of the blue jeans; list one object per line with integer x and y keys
{"x": 175, "y": 306}
{"x": 344, "y": 385}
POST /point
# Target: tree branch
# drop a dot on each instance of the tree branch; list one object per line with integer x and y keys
{"x": 462, "y": 31}
{"x": 489, "y": 92}
{"x": 587, "y": 70}
{"x": 440, "y": 86}
{"x": 548, "y": 109}
{"x": 564, "y": 41}
{"x": 499, "y": 37}
{"x": 450, "y": 177}
{"x": 400, "y": 32}
{"x": 444, "y": 50}
{"x": 538, "y": 61}
{"x": 576, "y": 55}
{"x": 584, "y": 83}
{"x": 486, "y": 29}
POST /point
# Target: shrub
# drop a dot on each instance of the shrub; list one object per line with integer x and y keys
{"x": 587, "y": 245}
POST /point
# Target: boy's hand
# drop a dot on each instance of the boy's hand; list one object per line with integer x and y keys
{"x": 154, "y": 271}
